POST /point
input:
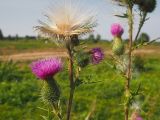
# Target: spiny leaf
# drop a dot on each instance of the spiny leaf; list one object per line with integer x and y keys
{"x": 122, "y": 16}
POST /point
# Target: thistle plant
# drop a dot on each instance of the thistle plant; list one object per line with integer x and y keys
{"x": 123, "y": 56}
{"x": 66, "y": 22}
{"x": 45, "y": 69}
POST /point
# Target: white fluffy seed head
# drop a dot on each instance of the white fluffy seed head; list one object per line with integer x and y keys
{"x": 66, "y": 18}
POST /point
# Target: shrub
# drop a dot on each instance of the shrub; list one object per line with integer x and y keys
{"x": 9, "y": 71}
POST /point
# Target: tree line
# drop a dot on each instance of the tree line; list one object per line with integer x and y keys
{"x": 144, "y": 37}
{"x": 16, "y": 37}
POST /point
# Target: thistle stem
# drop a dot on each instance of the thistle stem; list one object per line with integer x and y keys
{"x": 129, "y": 72}
{"x": 70, "y": 103}
{"x": 142, "y": 21}
{"x": 72, "y": 83}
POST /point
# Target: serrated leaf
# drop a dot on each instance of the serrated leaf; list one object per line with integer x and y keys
{"x": 44, "y": 117}
{"x": 42, "y": 109}
{"x": 91, "y": 82}
{"x": 122, "y": 16}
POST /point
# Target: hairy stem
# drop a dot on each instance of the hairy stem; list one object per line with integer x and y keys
{"x": 129, "y": 72}
{"x": 142, "y": 21}
{"x": 72, "y": 83}
{"x": 70, "y": 103}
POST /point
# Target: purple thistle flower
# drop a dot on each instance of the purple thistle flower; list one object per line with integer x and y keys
{"x": 97, "y": 55}
{"x": 46, "y": 68}
{"x": 117, "y": 30}
{"x": 136, "y": 116}
{"x": 139, "y": 118}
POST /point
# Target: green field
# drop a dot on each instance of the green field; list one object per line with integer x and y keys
{"x": 19, "y": 89}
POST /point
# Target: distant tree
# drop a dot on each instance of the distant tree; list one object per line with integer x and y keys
{"x": 27, "y": 37}
{"x": 30, "y": 37}
{"x": 16, "y": 37}
{"x": 91, "y": 37}
{"x": 1, "y": 35}
{"x": 98, "y": 38}
{"x": 9, "y": 37}
{"x": 144, "y": 37}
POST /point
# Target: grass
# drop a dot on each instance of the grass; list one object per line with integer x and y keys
{"x": 19, "y": 98}
{"x": 20, "y": 46}
{"x": 8, "y": 47}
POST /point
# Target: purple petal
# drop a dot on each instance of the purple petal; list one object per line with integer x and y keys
{"x": 46, "y": 67}
{"x": 116, "y": 29}
{"x": 97, "y": 55}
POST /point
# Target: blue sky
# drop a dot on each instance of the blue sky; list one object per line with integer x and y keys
{"x": 19, "y": 17}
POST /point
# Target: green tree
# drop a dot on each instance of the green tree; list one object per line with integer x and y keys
{"x": 9, "y": 37}
{"x": 98, "y": 38}
{"x": 1, "y": 35}
{"x": 91, "y": 37}
{"x": 16, "y": 37}
{"x": 144, "y": 37}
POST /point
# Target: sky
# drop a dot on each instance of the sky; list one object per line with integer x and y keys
{"x": 19, "y": 17}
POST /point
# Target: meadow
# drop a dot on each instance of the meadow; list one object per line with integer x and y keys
{"x": 102, "y": 88}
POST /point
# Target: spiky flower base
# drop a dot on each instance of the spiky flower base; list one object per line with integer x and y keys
{"x": 118, "y": 46}
{"x": 50, "y": 94}
{"x": 82, "y": 59}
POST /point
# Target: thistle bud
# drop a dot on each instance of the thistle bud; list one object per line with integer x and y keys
{"x": 82, "y": 59}
{"x": 148, "y": 5}
{"x": 74, "y": 40}
{"x": 118, "y": 46}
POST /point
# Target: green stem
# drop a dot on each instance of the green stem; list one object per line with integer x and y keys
{"x": 142, "y": 21}
{"x": 127, "y": 86}
{"x": 70, "y": 102}
{"x": 72, "y": 83}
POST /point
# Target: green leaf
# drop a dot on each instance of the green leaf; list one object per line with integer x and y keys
{"x": 42, "y": 109}
{"x": 122, "y": 16}
{"x": 44, "y": 117}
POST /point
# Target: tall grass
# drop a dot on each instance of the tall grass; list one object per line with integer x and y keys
{"x": 19, "y": 98}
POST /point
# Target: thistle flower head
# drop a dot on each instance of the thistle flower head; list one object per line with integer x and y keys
{"x": 148, "y": 5}
{"x": 117, "y": 30}
{"x": 65, "y": 20}
{"x": 46, "y": 68}
{"x": 97, "y": 55}
{"x": 136, "y": 116}
{"x": 139, "y": 118}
